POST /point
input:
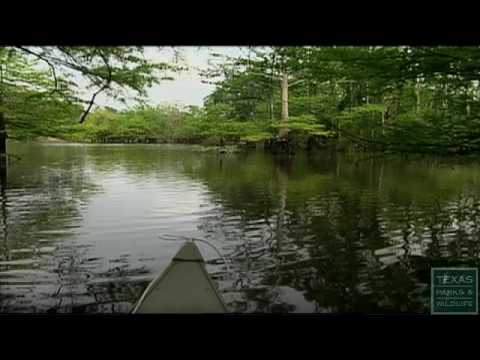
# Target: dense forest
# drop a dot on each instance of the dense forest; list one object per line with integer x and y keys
{"x": 406, "y": 99}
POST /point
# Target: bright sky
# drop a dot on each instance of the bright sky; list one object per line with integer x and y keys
{"x": 187, "y": 88}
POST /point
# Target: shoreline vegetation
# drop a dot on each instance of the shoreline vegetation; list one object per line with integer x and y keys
{"x": 212, "y": 128}
{"x": 237, "y": 148}
{"x": 194, "y": 147}
{"x": 385, "y": 99}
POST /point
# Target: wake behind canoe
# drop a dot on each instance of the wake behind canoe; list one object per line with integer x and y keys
{"x": 183, "y": 287}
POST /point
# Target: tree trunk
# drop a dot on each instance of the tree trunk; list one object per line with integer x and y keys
{"x": 3, "y": 202}
{"x": 337, "y": 165}
{"x": 417, "y": 94}
{"x": 380, "y": 175}
{"x": 383, "y": 123}
{"x": 3, "y": 133}
{"x": 3, "y": 137}
{"x": 271, "y": 107}
{"x": 383, "y": 117}
{"x": 350, "y": 90}
{"x": 3, "y": 158}
{"x": 445, "y": 99}
{"x": 467, "y": 103}
{"x": 284, "y": 119}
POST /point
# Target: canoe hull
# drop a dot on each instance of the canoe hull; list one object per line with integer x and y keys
{"x": 184, "y": 287}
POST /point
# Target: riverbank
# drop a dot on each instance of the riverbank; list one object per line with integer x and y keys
{"x": 291, "y": 146}
{"x": 226, "y": 149}
{"x": 50, "y": 140}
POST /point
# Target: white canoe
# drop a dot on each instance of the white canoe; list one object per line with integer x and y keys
{"x": 183, "y": 287}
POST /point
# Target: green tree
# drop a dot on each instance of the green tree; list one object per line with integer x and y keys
{"x": 110, "y": 70}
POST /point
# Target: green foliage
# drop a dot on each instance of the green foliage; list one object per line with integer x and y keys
{"x": 305, "y": 124}
{"x": 28, "y": 108}
{"x": 164, "y": 124}
{"x": 256, "y": 137}
{"x": 39, "y": 98}
{"x": 397, "y": 98}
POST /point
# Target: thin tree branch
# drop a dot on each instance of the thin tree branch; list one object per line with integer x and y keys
{"x": 104, "y": 87}
{"x": 296, "y": 82}
{"x": 90, "y": 104}
{"x": 41, "y": 57}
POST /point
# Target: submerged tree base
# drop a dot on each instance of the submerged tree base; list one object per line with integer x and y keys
{"x": 280, "y": 145}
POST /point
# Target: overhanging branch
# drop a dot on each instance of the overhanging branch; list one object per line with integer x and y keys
{"x": 45, "y": 60}
{"x": 104, "y": 87}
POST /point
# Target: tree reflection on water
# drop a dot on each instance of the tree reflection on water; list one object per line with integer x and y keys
{"x": 345, "y": 246}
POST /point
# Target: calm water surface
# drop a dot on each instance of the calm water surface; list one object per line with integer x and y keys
{"x": 84, "y": 228}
